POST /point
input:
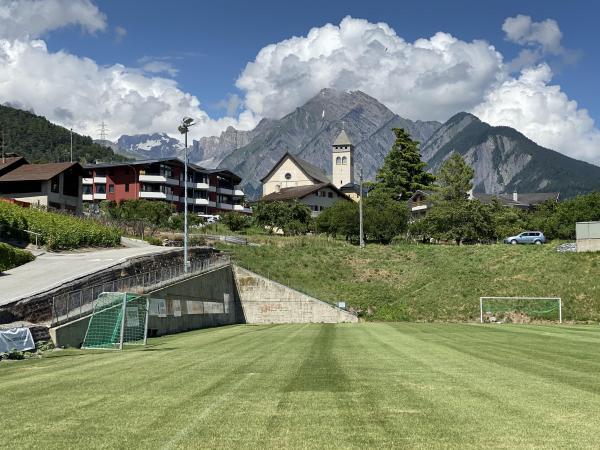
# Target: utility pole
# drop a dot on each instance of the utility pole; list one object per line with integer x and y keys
{"x": 71, "y": 144}
{"x": 3, "y": 147}
{"x": 360, "y": 211}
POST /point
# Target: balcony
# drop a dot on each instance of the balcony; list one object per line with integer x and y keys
{"x": 87, "y": 181}
{"x": 87, "y": 197}
{"x": 200, "y": 201}
{"x": 193, "y": 185}
{"x": 159, "y": 195}
{"x": 225, "y": 191}
{"x": 100, "y": 180}
{"x": 227, "y": 206}
{"x": 242, "y": 209}
{"x": 238, "y": 193}
{"x": 98, "y": 196}
{"x": 156, "y": 178}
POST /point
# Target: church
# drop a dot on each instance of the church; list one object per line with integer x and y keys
{"x": 293, "y": 178}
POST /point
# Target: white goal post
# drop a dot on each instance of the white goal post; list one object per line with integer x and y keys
{"x": 533, "y": 300}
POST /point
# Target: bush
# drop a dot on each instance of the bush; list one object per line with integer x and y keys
{"x": 12, "y": 257}
{"x": 236, "y": 221}
{"x": 58, "y": 231}
{"x": 153, "y": 240}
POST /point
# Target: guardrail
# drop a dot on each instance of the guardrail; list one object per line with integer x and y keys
{"x": 80, "y": 302}
{"x": 224, "y": 238}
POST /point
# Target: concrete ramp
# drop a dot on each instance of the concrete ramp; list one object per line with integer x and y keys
{"x": 266, "y": 301}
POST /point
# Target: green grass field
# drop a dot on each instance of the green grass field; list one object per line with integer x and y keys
{"x": 411, "y": 282}
{"x": 315, "y": 386}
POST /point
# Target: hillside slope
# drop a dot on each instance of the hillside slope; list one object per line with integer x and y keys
{"x": 40, "y": 141}
{"x": 505, "y": 160}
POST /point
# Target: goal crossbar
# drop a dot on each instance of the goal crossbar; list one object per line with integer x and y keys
{"x": 558, "y": 299}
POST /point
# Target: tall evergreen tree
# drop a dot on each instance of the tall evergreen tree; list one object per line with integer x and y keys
{"x": 403, "y": 171}
{"x": 455, "y": 179}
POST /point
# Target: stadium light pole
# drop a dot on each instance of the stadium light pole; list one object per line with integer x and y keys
{"x": 186, "y": 123}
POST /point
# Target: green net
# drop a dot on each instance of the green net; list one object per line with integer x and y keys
{"x": 520, "y": 309}
{"x": 118, "y": 318}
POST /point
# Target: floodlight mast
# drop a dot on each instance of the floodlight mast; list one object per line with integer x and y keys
{"x": 186, "y": 123}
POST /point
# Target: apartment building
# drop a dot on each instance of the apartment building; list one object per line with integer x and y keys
{"x": 209, "y": 191}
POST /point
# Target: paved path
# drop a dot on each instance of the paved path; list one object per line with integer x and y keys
{"x": 50, "y": 270}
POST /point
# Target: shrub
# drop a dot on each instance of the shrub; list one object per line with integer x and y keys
{"x": 12, "y": 257}
{"x": 236, "y": 221}
{"x": 58, "y": 231}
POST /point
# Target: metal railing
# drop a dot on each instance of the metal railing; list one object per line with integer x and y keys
{"x": 80, "y": 302}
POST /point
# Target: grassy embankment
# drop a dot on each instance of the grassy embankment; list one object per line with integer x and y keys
{"x": 316, "y": 386}
{"x": 427, "y": 282}
{"x": 12, "y": 257}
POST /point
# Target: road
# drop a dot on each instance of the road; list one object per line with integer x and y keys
{"x": 50, "y": 270}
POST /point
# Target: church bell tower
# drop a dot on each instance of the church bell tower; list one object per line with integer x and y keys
{"x": 342, "y": 161}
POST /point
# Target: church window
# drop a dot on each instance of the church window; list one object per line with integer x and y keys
{"x": 338, "y": 160}
{"x": 344, "y": 161}
{"x": 288, "y": 176}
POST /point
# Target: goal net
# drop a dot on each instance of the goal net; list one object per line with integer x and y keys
{"x": 118, "y": 318}
{"x": 520, "y": 309}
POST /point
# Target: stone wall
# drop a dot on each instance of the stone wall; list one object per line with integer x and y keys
{"x": 266, "y": 301}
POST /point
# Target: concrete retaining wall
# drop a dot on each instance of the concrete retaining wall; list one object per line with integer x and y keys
{"x": 207, "y": 300}
{"x": 588, "y": 236}
{"x": 266, "y": 301}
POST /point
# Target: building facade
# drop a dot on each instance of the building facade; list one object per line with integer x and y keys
{"x": 53, "y": 186}
{"x": 209, "y": 191}
{"x": 317, "y": 197}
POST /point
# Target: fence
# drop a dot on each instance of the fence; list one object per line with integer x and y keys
{"x": 80, "y": 302}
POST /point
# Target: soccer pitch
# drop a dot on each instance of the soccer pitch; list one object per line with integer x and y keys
{"x": 315, "y": 386}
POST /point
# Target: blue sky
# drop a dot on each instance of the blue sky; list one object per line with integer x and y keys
{"x": 211, "y": 42}
{"x": 142, "y": 65}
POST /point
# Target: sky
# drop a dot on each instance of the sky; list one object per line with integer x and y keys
{"x": 140, "y": 66}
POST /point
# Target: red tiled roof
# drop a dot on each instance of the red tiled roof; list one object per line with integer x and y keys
{"x": 37, "y": 172}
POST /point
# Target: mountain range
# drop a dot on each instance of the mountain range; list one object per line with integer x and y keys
{"x": 504, "y": 159}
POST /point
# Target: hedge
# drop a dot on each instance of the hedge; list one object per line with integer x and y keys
{"x": 12, "y": 257}
{"x": 58, "y": 231}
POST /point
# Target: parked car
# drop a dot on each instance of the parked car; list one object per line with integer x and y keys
{"x": 210, "y": 218}
{"x": 527, "y": 237}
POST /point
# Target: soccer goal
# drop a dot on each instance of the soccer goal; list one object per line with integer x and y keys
{"x": 118, "y": 318}
{"x": 520, "y": 309}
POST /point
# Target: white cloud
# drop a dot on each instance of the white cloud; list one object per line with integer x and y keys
{"x": 76, "y": 92}
{"x": 522, "y": 30}
{"x": 120, "y": 33}
{"x": 20, "y": 19}
{"x": 542, "y": 112}
{"x": 428, "y": 79}
{"x": 160, "y": 67}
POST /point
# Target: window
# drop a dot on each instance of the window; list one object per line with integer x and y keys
{"x": 54, "y": 183}
{"x": 126, "y": 187}
{"x": 330, "y": 194}
{"x": 338, "y": 161}
{"x": 344, "y": 161}
{"x": 87, "y": 189}
{"x": 111, "y": 188}
{"x": 100, "y": 189}
{"x": 288, "y": 176}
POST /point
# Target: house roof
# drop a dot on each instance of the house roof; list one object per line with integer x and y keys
{"x": 298, "y": 192}
{"x": 524, "y": 199}
{"x": 342, "y": 139}
{"x": 311, "y": 171}
{"x": 38, "y": 172}
{"x": 11, "y": 161}
{"x": 139, "y": 162}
